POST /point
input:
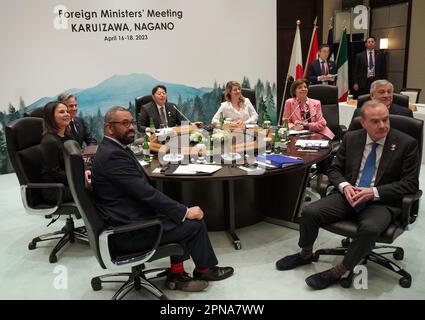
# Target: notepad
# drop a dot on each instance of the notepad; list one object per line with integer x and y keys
{"x": 192, "y": 169}
{"x": 298, "y": 132}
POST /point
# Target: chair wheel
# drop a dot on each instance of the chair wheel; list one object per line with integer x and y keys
{"x": 398, "y": 254}
{"x": 238, "y": 245}
{"x": 405, "y": 282}
{"x": 307, "y": 198}
{"x": 32, "y": 245}
{"x": 345, "y": 243}
{"x": 96, "y": 284}
{"x": 346, "y": 282}
{"x": 53, "y": 259}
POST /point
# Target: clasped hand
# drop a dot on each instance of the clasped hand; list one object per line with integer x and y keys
{"x": 299, "y": 125}
{"x": 356, "y": 195}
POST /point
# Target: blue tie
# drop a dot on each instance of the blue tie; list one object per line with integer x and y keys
{"x": 370, "y": 60}
{"x": 368, "y": 173}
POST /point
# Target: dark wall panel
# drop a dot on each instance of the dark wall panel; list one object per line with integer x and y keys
{"x": 288, "y": 12}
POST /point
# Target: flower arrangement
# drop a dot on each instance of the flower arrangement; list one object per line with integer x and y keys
{"x": 220, "y": 135}
{"x": 197, "y": 137}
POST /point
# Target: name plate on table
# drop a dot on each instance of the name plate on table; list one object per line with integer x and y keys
{"x": 312, "y": 143}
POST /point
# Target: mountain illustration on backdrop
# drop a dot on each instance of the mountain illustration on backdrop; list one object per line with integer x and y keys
{"x": 119, "y": 90}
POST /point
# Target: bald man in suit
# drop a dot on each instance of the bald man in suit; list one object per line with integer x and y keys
{"x": 373, "y": 169}
{"x": 382, "y": 91}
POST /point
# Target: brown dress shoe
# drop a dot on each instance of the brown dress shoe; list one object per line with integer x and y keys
{"x": 182, "y": 281}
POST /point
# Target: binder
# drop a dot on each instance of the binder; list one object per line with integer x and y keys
{"x": 279, "y": 160}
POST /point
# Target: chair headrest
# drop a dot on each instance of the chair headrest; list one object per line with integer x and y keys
{"x": 24, "y": 133}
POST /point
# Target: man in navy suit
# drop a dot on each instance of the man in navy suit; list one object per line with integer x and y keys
{"x": 373, "y": 169}
{"x": 161, "y": 111}
{"x": 370, "y": 65}
{"x": 322, "y": 71}
{"x": 382, "y": 91}
{"x": 79, "y": 129}
{"x": 123, "y": 194}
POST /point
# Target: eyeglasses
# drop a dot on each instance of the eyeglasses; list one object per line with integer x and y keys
{"x": 125, "y": 123}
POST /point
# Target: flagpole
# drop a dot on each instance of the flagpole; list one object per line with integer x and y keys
{"x": 286, "y": 84}
{"x": 309, "y": 49}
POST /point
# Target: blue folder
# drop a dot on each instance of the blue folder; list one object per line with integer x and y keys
{"x": 279, "y": 160}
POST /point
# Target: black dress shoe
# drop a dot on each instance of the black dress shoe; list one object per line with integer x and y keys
{"x": 292, "y": 261}
{"x": 214, "y": 274}
{"x": 321, "y": 280}
{"x": 182, "y": 281}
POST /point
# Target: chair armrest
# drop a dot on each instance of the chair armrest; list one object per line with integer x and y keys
{"x": 325, "y": 188}
{"x": 45, "y": 211}
{"x": 409, "y": 208}
{"x": 343, "y": 130}
{"x": 129, "y": 260}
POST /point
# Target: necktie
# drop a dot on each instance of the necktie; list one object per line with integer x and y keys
{"x": 368, "y": 173}
{"x": 371, "y": 65}
{"x": 163, "y": 116}
{"x": 323, "y": 68}
{"x": 73, "y": 128}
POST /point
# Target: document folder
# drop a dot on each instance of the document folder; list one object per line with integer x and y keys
{"x": 279, "y": 160}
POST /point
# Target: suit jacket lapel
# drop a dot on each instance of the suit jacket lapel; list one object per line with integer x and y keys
{"x": 387, "y": 154}
{"x": 156, "y": 117}
{"x": 359, "y": 145}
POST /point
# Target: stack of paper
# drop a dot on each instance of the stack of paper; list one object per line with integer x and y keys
{"x": 196, "y": 168}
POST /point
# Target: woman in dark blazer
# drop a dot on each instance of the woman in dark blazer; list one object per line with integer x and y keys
{"x": 56, "y": 132}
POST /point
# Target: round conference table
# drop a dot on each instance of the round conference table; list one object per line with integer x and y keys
{"x": 231, "y": 198}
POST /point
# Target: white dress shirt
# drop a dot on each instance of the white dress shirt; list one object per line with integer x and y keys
{"x": 366, "y": 151}
{"x": 246, "y": 113}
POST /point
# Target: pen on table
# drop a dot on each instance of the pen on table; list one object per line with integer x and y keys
{"x": 304, "y": 135}
{"x": 297, "y": 158}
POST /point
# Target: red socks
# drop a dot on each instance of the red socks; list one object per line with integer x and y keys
{"x": 177, "y": 267}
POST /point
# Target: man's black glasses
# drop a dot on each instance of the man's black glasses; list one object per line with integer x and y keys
{"x": 125, "y": 123}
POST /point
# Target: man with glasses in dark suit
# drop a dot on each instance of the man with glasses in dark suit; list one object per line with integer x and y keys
{"x": 123, "y": 194}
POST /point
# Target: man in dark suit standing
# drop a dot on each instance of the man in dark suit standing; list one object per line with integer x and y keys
{"x": 79, "y": 129}
{"x": 123, "y": 194}
{"x": 370, "y": 65}
{"x": 373, "y": 169}
{"x": 322, "y": 71}
{"x": 382, "y": 91}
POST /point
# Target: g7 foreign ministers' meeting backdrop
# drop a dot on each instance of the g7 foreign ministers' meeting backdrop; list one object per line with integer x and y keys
{"x": 109, "y": 52}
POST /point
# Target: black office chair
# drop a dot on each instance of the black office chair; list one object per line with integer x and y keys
{"x": 247, "y": 93}
{"x": 328, "y": 97}
{"x": 139, "y": 102}
{"x": 37, "y": 113}
{"x": 408, "y": 214}
{"x": 399, "y": 99}
{"x": 417, "y": 91}
{"x": 250, "y": 94}
{"x": 23, "y": 138}
{"x": 99, "y": 234}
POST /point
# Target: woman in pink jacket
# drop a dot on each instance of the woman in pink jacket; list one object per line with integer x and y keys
{"x": 304, "y": 113}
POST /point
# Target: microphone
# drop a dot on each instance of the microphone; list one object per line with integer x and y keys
{"x": 181, "y": 113}
{"x": 293, "y": 112}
